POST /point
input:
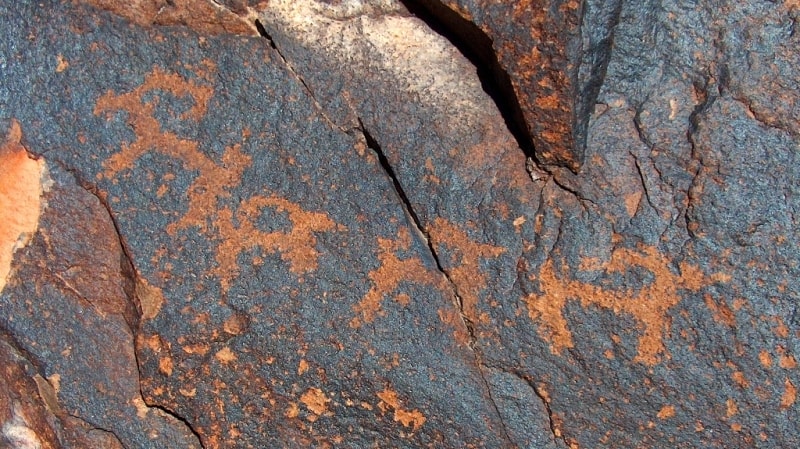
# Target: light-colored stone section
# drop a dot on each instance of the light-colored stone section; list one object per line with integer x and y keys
{"x": 18, "y": 433}
{"x": 377, "y": 38}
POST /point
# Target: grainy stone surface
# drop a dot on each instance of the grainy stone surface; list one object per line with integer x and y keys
{"x": 327, "y": 236}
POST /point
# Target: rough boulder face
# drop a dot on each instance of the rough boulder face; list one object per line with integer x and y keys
{"x": 310, "y": 223}
{"x": 547, "y": 58}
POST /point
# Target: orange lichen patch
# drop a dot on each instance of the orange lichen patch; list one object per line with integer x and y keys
{"x": 151, "y": 298}
{"x": 649, "y": 305}
{"x": 465, "y": 258}
{"x": 386, "y": 278}
{"x": 316, "y": 402}
{"x": 789, "y": 394}
{"x": 666, "y": 411}
{"x": 22, "y": 182}
{"x": 408, "y": 418}
{"x": 296, "y": 246}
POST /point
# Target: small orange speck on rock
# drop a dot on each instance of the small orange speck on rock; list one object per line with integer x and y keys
{"x": 316, "y": 401}
{"x": 292, "y": 411}
{"x": 666, "y": 411}
{"x": 63, "y": 64}
{"x": 225, "y": 355}
{"x": 789, "y": 394}
{"x": 765, "y": 358}
{"x": 302, "y": 367}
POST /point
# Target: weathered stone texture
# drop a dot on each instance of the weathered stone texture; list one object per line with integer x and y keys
{"x": 327, "y": 235}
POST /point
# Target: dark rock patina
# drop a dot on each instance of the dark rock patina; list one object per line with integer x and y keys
{"x": 327, "y": 236}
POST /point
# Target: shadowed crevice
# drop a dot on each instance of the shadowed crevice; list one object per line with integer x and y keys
{"x": 478, "y": 48}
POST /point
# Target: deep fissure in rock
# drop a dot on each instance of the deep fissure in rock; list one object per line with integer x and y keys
{"x": 387, "y": 168}
{"x": 478, "y": 48}
{"x": 263, "y": 33}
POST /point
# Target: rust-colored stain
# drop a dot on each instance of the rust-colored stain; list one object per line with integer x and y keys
{"x": 316, "y": 402}
{"x": 22, "y": 182}
{"x": 648, "y": 305}
{"x": 235, "y": 228}
{"x": 408, "y": 418}
{"x": 466, "y": 256}
{"x": 387, "y": 277}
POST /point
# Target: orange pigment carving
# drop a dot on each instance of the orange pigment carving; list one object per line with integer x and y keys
{"x": 465, "y": 257}
{"x": 387, "y": 277}
{"x": 214, "y": 181}
{"x": 648, "y": 305}
{"x": 296, "y": 246}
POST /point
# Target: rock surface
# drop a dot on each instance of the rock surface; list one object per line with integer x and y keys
{"x": 306, "y": 223}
